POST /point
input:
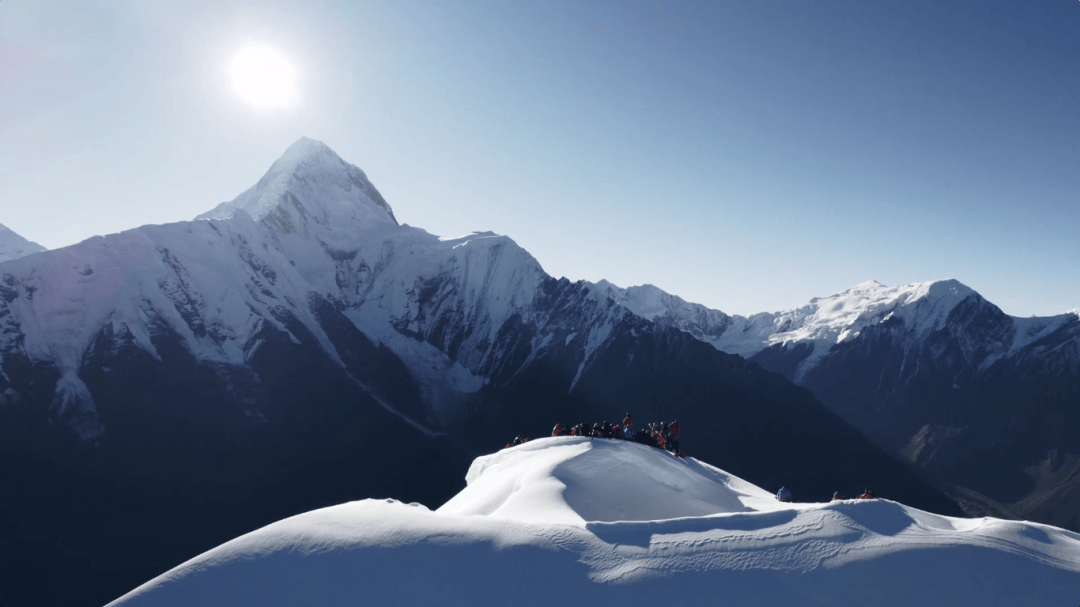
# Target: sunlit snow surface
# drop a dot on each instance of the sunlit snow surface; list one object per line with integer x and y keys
{"x": 569, "y": 520}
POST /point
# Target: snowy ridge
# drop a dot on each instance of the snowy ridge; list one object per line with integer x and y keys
{"x": 13, "y": 246}
{"x": 312, "y": 230}
{"x": 134, "y": 284}
{"x": 826, "y": 321}
{"x": 547, "y": 513}
{"x": 731, "y": 334}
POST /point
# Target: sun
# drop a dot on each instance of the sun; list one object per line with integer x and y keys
{"x": 263, "y": 77}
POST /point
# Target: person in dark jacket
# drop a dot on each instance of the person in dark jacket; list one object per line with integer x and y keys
{"x": 673, "y": 442}
{"x": 642, "y": 436}
{"x": 784, "y": 494}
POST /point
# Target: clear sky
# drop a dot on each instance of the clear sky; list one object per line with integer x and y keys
{"x": 744, "y": 155}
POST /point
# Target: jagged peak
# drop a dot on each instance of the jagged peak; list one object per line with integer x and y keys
{"x": 309, "y": 179}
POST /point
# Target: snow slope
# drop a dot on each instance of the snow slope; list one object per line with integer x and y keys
{"x": 583, "y": 519}
{"x": 13, "y": 246}
{"x": 312, "y": 229}
{"x": 924, "y": 307}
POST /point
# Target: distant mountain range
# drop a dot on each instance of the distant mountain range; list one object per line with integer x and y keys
{"x": 170, "y": 387}
{"x": 985, "y": 404}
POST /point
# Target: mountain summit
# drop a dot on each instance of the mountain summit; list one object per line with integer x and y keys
{"x": 310, "y": 182}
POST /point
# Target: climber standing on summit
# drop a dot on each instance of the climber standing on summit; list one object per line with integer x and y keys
{"x": 627, "y": 422}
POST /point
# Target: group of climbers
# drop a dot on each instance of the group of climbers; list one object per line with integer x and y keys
{"x": 866, "y": 495}
{"x": 663, "y": 435}
{"x": 784, "y": 495}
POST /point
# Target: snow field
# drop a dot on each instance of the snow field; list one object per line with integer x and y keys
{"x": 561, "y": 519}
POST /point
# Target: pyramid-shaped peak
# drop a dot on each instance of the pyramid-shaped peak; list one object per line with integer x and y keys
{"x": 307, "y": 152}
{"x": 310, "y": 178}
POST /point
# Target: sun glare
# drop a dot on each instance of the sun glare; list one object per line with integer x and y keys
{"x": 263, "y": 78}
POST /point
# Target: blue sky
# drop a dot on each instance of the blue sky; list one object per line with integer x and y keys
{"x": 745, "y": 155}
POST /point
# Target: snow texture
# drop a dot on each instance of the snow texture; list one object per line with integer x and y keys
{"x": 622, "y": 523}
{"x": 13, "y": 246}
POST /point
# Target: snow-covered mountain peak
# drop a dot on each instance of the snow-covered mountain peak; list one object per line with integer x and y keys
{"x": 830, "y": 320}
{"x": 310, "y": 186}
{"x": 13, "y": 246}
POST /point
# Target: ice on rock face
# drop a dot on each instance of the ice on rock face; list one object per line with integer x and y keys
{"x": 13, "y": 246}
{"x": 607, "y": 521}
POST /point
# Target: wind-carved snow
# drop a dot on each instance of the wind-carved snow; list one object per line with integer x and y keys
{"x": 13, "y": 246}
{"x": 617, "y": 522}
